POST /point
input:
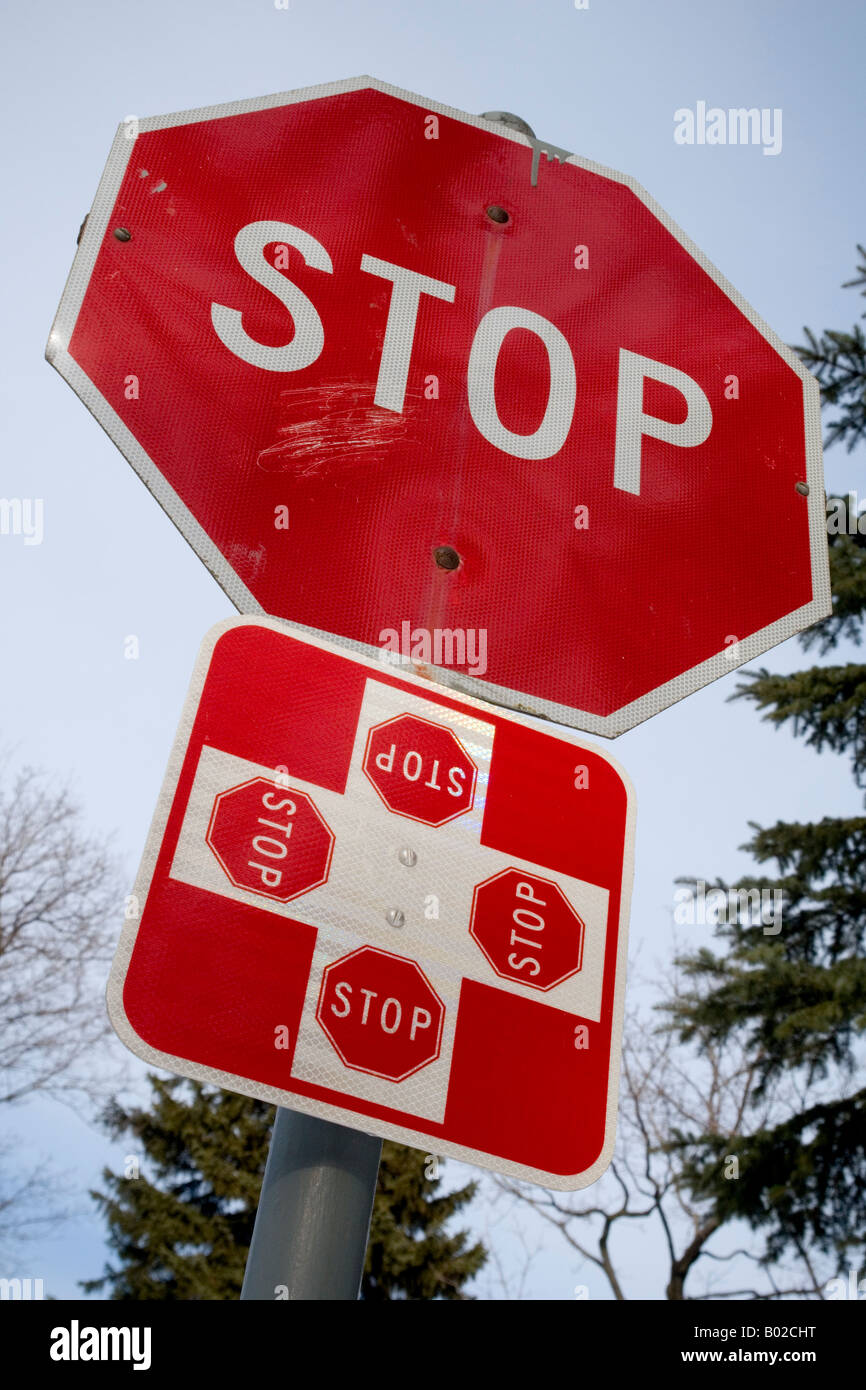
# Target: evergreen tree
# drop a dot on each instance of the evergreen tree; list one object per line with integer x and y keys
{"x": 799, "y": 999}
{"x": 184, "y": 1232}
{"x": 410, "y": 1254}
{"x": 838, "y": 360}
{"x": 181, "y": 1215}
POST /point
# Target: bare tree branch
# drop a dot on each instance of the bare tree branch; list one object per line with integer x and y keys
{"x": 669, "y": 1087}
{"x": 60, "y": 900}
{"x": 60, "y": 906}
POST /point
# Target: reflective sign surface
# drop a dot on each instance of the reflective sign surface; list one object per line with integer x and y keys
{"x": 391, "y": 907}
{"x": 523, "y": 435}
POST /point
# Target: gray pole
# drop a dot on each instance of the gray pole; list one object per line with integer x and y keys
{"x": 313, "y": 1220}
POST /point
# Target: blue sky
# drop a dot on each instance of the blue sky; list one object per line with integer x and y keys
{"x": 604, "y": 82}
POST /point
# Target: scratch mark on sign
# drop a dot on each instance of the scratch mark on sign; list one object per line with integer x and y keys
{"x": 329, "y": 429}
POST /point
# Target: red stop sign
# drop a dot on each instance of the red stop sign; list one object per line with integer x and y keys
{"x": 527, "y": 929}
{"x": 420, "y": 769}
{"x": 270, "y": 840}
{"x": 381, "y": 1013}
{"x": 329, "y": 378}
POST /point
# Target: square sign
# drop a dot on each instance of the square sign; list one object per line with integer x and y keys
{"x": 387, "y": 906}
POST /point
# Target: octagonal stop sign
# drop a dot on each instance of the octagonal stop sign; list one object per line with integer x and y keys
{"x": 381, "y": 1013}
{"x": 522, "y": 430}
{"x": 420, "y": 769}
{"x": 270, "y": 839}
{"x": 527, "y": 929}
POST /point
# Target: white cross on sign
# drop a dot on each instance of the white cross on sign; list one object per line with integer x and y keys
{"x": 367, "y": 880}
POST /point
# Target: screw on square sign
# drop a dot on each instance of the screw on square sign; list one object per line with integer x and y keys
{"x": 333, "y": 917}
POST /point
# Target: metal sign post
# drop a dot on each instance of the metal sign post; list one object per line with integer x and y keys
{"x": 313, "y": 1220}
